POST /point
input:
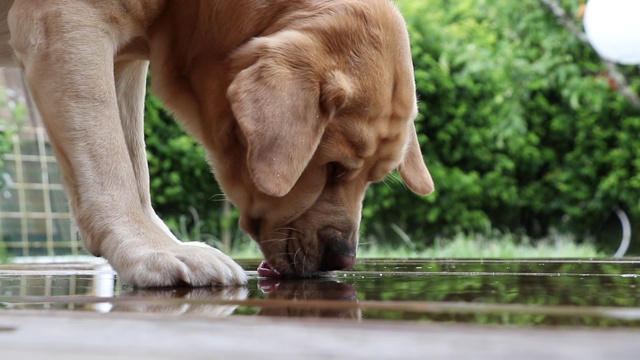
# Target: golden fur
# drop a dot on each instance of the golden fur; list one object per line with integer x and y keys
{"x": 300, "y": 105}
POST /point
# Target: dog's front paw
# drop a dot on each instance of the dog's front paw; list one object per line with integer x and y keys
{"x": 192, "y": 264}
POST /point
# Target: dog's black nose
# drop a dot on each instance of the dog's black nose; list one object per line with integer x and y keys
{"x": 338, "y": 262}
{"x": 339, "y": 248}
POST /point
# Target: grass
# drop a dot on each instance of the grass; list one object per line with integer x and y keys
{"x": 494, "y": 244}
{"x": 245, "y": 248}
{"x": 4, "y": 256}
{"x": 498, "y": 246}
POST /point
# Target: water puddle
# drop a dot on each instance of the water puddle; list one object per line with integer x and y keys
{"x": 566, "y": 293}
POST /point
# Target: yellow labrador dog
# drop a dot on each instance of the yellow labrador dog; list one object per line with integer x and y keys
{"x": 300, "y": 104}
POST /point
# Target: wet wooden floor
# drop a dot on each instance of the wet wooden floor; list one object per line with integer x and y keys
{"x": 419, "y": 309}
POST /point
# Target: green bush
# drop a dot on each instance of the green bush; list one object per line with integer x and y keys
{"x": 5, "y": 137}
{"x": 518, "y": 125}
{"x": 5, "y": 147}
{"x": 181, "y": 181}
{"x": 15, "y": 113}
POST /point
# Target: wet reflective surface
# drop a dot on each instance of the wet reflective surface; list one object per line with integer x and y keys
{"x": 565, "y": 293}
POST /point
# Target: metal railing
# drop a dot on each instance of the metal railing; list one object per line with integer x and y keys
{"x": 34, "y": 213}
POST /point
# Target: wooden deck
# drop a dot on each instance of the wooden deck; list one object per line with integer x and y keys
{"x": 65, "y": 335}
{"x": 428, "y": 309}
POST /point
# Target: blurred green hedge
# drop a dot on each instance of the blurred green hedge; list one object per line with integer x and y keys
{"x": 180, "y": 178}
{"x": 12, "y": 116}
{"x": 518, "y": 124}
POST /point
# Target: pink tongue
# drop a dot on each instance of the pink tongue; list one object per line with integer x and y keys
{"x": 267, "y": 271}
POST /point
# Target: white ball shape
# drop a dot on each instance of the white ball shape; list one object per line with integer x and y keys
{"x": 613, "y": 29}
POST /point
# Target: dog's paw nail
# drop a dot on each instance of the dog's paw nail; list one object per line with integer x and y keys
{"x": 267, "y": 271}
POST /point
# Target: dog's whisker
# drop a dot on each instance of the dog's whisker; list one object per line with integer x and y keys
{"x": 304, "y": 262}
{"x": 386, "y": 182}
{"x": 277, "y": 240}
{"x": 286, "y": 253}
{"x": 278, "y": 232}
{"x": 295, "y": 256}
{"x": 288, "y": 229}
{"x": 218, "y": 197}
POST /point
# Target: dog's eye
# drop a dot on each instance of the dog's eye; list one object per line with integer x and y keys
{"x": 336, "y": 170}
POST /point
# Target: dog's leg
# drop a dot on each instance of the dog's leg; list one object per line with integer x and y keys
{"x": 130, "y": 77}
{"x": 69, "y": 67}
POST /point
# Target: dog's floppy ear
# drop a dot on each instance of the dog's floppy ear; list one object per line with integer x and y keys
{"x": 282, "y": 108}
{"x": 413, "y": 170}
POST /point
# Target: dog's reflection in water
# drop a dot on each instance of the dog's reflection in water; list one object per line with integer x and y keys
{"x": 325, "y": 298}
{"x": 320, "y": 298}
{"x": 205, "y": 301}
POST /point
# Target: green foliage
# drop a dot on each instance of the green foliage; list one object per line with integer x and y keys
{"x": 181, "y": 179}
{"x": 190, "y": 229}
{"x": 7, "y": 129}
{"x": 11, "y": 116}
{"x": 518, "y": 125}
{"x": 5, "y": 147}
{"x": 4, "y": 254}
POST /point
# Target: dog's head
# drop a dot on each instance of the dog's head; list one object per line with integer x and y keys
{"x": 324, "y": 106}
